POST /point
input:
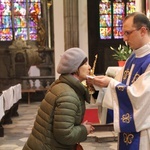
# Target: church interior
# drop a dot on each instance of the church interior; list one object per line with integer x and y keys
{"x": 33, "y": 35}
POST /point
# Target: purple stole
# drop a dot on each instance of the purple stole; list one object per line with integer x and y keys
{"x": 129, "y": 139}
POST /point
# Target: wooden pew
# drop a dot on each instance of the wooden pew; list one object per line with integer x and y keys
{"x": 31, "y": 90}
{"x": 12, "y": 109}
{"x": 28, "y": 91}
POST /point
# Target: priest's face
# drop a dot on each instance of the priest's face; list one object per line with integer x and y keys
{"x": 131, "y": 34}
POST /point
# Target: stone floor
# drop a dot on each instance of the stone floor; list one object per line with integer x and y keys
{"x": 16, "y": 134}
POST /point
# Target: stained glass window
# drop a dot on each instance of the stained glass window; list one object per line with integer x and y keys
{"x": 111, "y": 14}
{"x": 105, "y": 19}
{"x": 19, "y": 19}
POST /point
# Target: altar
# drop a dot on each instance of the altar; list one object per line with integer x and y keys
{"x": 94, "y": 110}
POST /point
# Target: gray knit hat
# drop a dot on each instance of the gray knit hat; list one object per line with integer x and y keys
{"x": 71, "y": 60}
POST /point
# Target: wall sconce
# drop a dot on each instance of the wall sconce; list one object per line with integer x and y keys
{"x": 148, "y": 14}
{"x": 49, "y": 3}
{"x": 148, "y": 9}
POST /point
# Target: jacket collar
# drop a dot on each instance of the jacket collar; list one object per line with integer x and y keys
{"x": 76, "y": 85}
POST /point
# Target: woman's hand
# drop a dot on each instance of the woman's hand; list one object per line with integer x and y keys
{"x": 88, "y": 126}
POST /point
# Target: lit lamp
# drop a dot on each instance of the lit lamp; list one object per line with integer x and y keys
{"x": 148, "y": 14}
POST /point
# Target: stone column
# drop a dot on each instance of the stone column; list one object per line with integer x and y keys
{"x": 49, "y": 3}
{"x": 71, "y": 30}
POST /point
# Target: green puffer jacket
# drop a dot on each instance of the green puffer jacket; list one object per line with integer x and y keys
{"x": 58, "y": 122}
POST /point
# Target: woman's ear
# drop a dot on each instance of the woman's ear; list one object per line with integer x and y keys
{"x": 77, "y": 72}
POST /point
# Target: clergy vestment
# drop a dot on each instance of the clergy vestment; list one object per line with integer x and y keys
{"x": 128, "y": 96}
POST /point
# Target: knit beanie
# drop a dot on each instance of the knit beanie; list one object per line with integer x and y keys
{"x": 71, "y": 60}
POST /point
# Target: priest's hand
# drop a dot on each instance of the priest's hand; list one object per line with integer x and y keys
{"x": 101, "y": 80}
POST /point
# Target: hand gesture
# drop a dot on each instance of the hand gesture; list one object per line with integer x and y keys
{"x": 101, "y": 80}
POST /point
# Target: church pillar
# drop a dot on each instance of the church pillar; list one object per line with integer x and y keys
{"x": 71, "y": 29}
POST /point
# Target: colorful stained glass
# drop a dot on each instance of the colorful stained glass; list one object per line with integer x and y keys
{"x": 105, "y": 7}
{"x": 117, "y": 31}
{"x": 118, "y": 1}
{"x": 5, "y": 1}
{"x": 105, "y": 19}
{"x": 5, "y": 16}
{"x": 34, "y": 12}
{"x": 105, "y": 33}
{"x": 130, "y": 8}
{"x": 5, "y": 21}
{"x": 6, "y": 34}
{"x": 34, "y": 1}
{"x": 17, "y": 17}
{"x": 20, "y": 21}
{"x": 118, "y": 8}
{"x": 119, "y": 14}
{"x": 118, "y": 20}
{"x": 18, "y": 1}
{"x": 33, "y": 33}
{"x": 21, "y": 33}
{"x": 111, "y": 15}
{"x": 19, "y": 13}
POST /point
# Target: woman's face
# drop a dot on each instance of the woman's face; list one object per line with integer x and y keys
{"x": 83, "y": 71}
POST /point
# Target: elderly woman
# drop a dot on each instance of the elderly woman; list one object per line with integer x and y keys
{"x": 58, "y": 124}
